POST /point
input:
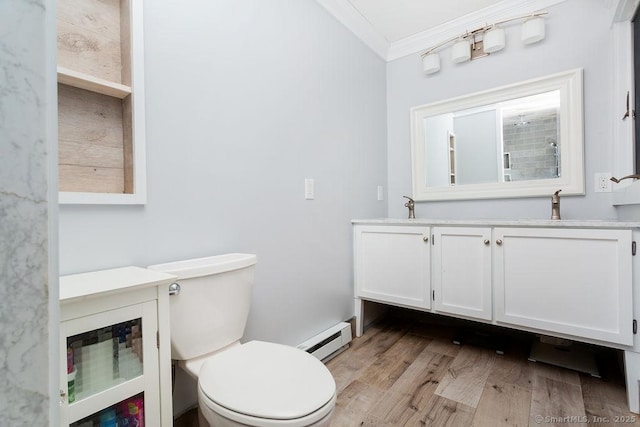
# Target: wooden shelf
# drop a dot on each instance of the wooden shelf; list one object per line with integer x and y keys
{"x": 93, "y": 142}
{"x": 91, "y": 83}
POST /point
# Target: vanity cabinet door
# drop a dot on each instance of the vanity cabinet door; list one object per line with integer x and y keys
{"x": 392, "y": 264}
{"x": 569, "y": 281}
{"x": 462, "y": 271}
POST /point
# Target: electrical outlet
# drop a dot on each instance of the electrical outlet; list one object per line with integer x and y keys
{"x": 602, "y": 182}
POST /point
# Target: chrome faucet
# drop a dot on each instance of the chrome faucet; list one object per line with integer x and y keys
{"x": 616, "y": 180}
{"x": 411, "y": 205}
{"x": 555, "y": 205}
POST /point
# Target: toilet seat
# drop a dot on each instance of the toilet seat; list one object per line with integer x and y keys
{"x": 267, "y": 384}
{"x": 221, "y": 416}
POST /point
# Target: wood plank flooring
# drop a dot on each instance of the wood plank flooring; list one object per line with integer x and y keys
{"x": 405, "y": 371}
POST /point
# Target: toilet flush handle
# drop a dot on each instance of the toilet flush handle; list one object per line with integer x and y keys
{"x": 174, "y": 289}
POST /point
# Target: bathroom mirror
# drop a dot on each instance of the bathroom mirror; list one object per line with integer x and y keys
{"x": 520, "y": 140}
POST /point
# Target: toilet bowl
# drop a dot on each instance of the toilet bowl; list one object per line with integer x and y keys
{"x": 256, "y": 384}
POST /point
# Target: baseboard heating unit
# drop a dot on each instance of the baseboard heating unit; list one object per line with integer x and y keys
{"x": 328, "y": 344}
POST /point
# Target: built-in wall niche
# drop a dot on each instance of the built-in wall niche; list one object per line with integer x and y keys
{"x": 101, "y": 156}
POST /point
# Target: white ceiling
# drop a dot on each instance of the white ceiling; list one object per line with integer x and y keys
{"x": 397, "y": 28}
{"x": 397, "y": 19}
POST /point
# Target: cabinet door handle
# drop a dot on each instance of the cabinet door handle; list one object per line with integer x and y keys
{"x": 486, "y": 241}
{"x": 425, "y": 238}
{"x": 498, "y": 242}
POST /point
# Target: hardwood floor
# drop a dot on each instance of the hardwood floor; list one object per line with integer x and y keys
{"x": 407, "y": 372}
{"x": 188, "y": 419}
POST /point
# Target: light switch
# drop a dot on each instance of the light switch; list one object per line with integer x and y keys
{"x": 380, "y": 192}
{"x": 308, "y": 189}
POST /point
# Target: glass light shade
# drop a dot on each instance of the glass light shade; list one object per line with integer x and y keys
{"x": 532, "y": 30}
{"x": 431, "y": 63}
{"x": 493, "y": 40}
{"x": 461, "y": 51}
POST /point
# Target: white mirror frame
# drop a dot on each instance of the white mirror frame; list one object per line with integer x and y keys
{"x": 571, "y": 181}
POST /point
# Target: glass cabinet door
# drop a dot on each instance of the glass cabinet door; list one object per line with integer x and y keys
{"x": 127, "y": 413}
{"x": 101, "y": 358}
{"x": 109, "y": 365}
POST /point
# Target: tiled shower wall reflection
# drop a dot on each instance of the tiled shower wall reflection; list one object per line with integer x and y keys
{"x": 528, "y": 139}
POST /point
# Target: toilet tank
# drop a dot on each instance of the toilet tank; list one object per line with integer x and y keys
{"x": 211, "y": 309}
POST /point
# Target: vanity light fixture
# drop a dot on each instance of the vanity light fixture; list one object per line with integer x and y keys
{"x": 532, "y": 30}
{"x": 461, "y": 51}
{"x": 494, "y": 40}
{"x": 483, "y": 41}
{"x": 431, "y": 63}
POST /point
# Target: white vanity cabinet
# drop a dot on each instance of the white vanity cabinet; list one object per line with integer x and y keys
{"x": 462, "y": 271}
{"x": 392, "y": 265}
{"x": 569, "y": 281}
{"x": 115, "y": 357}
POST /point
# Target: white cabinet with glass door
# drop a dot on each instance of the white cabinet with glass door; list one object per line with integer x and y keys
{"x": 115, "y": 360}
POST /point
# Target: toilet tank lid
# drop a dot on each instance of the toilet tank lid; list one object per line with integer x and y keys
{"x": 206, "y": 266}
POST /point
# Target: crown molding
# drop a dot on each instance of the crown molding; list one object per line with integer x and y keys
{"x": 499, "y": 11}
{"x": 345, "y": 13}
{"x": 623, "y": 10}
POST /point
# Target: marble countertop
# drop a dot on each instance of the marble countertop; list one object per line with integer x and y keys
{"x": 502, "y": 222}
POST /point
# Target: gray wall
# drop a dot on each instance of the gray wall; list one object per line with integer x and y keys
{"x": 28, "y": 266}
{"x": 567, "y": 46}
{"x": 244, "y": 100}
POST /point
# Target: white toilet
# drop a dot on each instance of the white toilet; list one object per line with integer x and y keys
{"x": 254, "y": 384}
